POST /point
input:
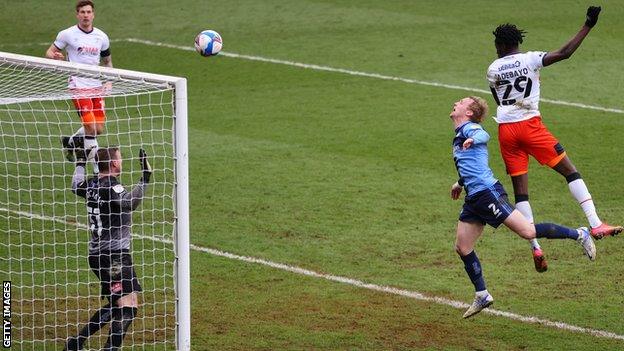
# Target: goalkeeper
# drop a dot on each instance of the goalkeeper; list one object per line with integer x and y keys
{"x": 109, "y": 207}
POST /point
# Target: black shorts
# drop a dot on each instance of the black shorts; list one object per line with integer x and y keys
{"x": 116, "y": 273}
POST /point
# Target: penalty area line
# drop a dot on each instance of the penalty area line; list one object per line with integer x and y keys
{"x": 365, "y": 74}
{"x": 355, "y": 282}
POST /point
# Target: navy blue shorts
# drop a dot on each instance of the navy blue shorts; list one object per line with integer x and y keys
{"x": 487, "y": 206}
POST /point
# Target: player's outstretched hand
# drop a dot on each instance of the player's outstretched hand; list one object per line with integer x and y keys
{"x": 456, "y": 190}
{"x": 592, "y": 16}
{"x": 145, "y": 166}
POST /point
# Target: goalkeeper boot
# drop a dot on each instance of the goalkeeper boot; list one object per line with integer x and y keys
{"x": 605, "y": 230}
{"x": 586, "y": 241}
{"x": 540, "y": 261}
{"x": 480, "y": 302}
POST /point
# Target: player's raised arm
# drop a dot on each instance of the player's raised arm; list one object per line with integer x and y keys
{"x": 132, "y": 200}
{"x": 79, "y": 181}
{"x": 570, "y": 47}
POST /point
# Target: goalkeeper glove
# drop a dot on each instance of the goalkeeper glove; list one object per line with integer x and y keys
{"x": 145, "y": 166}
{"x": 592, "y": 16}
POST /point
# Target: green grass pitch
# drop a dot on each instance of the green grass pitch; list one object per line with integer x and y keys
{"x": 349, "y": 175}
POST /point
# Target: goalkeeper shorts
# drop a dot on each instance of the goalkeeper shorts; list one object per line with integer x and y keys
{"x": 116, "y": 273}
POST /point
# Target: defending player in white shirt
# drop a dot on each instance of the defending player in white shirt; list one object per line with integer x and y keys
{"x": 84, "y": 44}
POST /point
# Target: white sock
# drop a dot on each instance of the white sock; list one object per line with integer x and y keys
{"x": 79, "y": 132}
{"x": 581, "y": 194}
{"x": 525, "y": 208}
{"x": 91, "y": 146}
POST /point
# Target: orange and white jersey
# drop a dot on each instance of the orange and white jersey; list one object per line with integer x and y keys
{"x": 83, "y": 47}
{"x": 515, "y": 85}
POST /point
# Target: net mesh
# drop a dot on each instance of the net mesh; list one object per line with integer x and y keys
{"x": 43, "y": 225}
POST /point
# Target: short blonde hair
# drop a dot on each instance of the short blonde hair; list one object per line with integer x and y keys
{"x": 479, "y": 108}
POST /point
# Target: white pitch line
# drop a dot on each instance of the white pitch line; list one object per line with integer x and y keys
{"x": 357, "y": 283}
{"x": 345, "y": 71}
{"x": 365, "y": 74}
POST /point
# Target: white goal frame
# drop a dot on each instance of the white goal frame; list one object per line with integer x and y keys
{"x": 181, "y": 241}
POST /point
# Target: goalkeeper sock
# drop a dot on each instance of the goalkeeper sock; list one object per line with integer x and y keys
{"x": 97, "y": 321}
{"x": 122, "y": 318}
{"x": 91, "y": 147}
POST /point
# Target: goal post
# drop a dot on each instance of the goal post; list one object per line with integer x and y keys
{"x": 43, "y": 225}
{"x": 183, "y": 244}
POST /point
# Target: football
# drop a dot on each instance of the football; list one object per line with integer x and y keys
{"x": 208, "y": 43}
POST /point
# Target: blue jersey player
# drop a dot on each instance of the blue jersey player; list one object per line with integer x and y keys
{"x": 486, "y": 199}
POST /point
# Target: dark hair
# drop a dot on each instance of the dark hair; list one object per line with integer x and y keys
{"x": 82, "y": 3}
{"x": 508, "y": 35}
{"x": 104, "y": 156}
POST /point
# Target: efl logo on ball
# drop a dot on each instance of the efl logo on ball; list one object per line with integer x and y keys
{"x": 208, "y": 43}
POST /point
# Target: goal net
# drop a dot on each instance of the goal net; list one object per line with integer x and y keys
{"x": 49, "y": 291}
